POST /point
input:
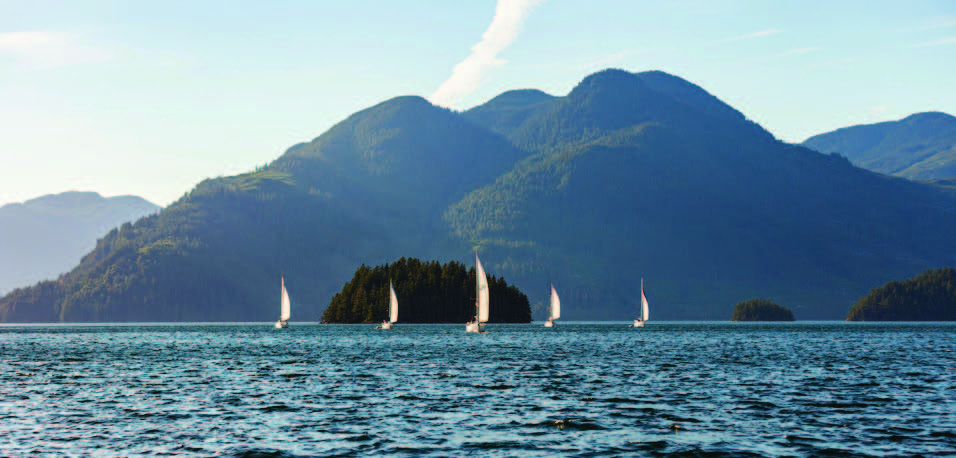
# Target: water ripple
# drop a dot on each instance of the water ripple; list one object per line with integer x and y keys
{"x": 670, "y": 389}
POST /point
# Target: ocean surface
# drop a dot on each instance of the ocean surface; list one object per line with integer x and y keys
{"x": 579, "y": 389}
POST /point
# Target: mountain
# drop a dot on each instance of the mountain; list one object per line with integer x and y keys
{"x": 46, "y": 236}
{"x": 630, "y": 175}
{"x": 702, "y": 203}
{"x": 921, "y": 146}
{"x": 930, "y": 296}
{"x": 371, "y": 188}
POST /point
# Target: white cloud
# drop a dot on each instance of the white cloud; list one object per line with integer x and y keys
{"x": 941, "y": 42}
{"x": 760, "y": 34}
{"x": 469, "y": 73}
{"x": 47, "y": 49}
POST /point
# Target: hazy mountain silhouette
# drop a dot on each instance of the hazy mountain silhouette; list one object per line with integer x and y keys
{"x": 46, "y": 236}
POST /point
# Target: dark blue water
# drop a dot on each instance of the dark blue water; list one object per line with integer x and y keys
{"x": 670, "y": 389}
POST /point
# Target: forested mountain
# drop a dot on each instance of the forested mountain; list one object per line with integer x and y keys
{"x": 628, "y": 176}
{"x": 427, "y": 292}
{"x": 705, "y": 211}
{"x": 46, "y": 236}
{"x": 921, "y": 146}
{"x": 930, "y": 296}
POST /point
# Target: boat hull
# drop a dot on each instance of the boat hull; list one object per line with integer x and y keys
{"x": 474, "y": 327}
{"x": 281, "y": 324}
{"x": 638, "y": 324}
{"x": 549, "y": 324}
{"x": 385, "y": 326}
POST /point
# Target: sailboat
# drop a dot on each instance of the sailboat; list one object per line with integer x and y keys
{"x": 639, "y": 323}
{"x": 392, "y": 308}
{"x": 554, "y": 308}
{"x": 285, "y": 309}
{"x": 481, "y": 303}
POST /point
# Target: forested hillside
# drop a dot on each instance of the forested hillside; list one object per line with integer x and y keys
{"x": 921, "y": 146}
{"x": 930, "y": 296}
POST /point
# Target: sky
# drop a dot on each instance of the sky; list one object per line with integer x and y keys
{"x": 150, "y": 97}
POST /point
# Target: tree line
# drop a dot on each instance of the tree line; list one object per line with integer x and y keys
{"x": 427, "y": 291}
{"x": 761, "y": 310}
{"x": 930, "y": 296}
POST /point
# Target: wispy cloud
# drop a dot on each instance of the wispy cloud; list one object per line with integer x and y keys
{"x": 941, "y": 42}
{"x": 469, "y": 73}
{"x": 797, "y": 51}
{"x": 760, "y": 34}
{"x": 48, "y": 49}
{"x": 935, "y": 23}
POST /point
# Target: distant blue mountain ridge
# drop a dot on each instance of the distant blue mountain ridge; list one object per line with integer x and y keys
{"x": 46, "y": 236}
{"x": 921, "y": 146}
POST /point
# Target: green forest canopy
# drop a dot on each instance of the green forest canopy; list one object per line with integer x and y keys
{"x": 428, "y": 292}
{"x": 930, "y": 296}
{"x": 761, "y": 310}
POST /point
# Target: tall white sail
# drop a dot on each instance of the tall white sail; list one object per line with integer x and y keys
{"x": 286, "y": 308}
{"x": 644, "y": 313}
{"x": 392, "y": 304}
{"x": 482, "y": 289}
{"x": 555, "y": 304}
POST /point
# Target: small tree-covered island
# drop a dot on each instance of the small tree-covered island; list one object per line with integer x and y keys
{"x": 930, "y": 296}
{"x": 427, "y": 291}
{"x": 761, "y": 310}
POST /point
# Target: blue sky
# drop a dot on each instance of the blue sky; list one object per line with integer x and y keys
{"x": 150, "y": 97}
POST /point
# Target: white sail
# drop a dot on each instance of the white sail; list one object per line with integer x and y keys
{"x": 392, "y": 304}
{"x": 555, "y": 304}
{"x": 482, "y": 289}
{"x": 286, "y": 307}
{"x": 644, "y": 313}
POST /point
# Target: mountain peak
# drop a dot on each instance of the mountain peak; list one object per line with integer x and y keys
{"x": 517, "y": 98}
{"x": 930, "y": 116}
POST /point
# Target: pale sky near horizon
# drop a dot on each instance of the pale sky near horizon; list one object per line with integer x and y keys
{"x": 150, "y": 97}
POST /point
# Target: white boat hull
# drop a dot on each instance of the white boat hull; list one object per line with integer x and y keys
{"x": 281, "y": 324}
{"x": 474, "y": 327}
{"x": 385, "y": 326}
{"x": 549, "y": 324}
{"x": 638, "y": 324}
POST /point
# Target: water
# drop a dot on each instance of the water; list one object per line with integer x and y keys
{"x": 589, "y": 389}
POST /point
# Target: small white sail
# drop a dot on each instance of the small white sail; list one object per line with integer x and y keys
{"x": 555, "y": 304}
{"x": 286, "y": 308}
{"x": 644, "y": 312}
{"x": 392, "y": 304}
{"x": 482, "y": 289}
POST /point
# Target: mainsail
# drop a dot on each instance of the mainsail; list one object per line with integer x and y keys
{"x": 482, "y": 289}
{"x": 555, "y": 304}
{"x": 392, "y": 304}
{"x": 644, "y": 313}
{"x": 286, "y": 309}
